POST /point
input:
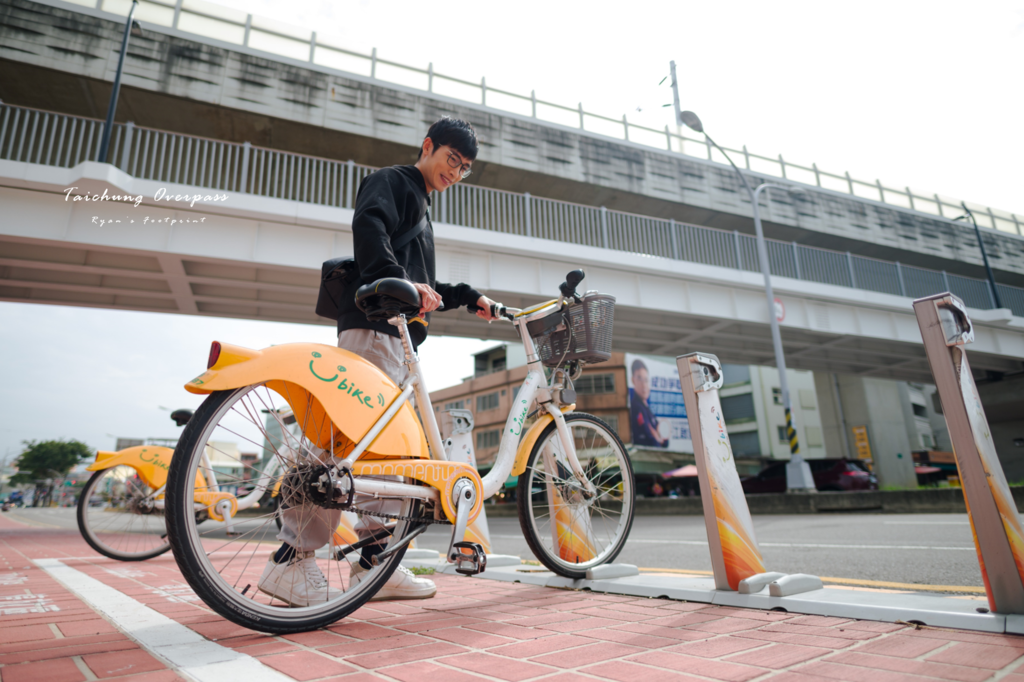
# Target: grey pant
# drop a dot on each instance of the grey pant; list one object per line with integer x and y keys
{"x": 308, "y": 527}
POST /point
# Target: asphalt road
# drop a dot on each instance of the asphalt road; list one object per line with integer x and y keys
{"x": 925, "y": 549}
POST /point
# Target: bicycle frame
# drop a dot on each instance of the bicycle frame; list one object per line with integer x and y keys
{"x": 534, "y": 387}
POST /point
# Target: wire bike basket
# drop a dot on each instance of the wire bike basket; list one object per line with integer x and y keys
{"x": 583, "y": 332}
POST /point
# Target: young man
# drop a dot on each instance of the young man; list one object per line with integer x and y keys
{"x": 642, "y": 422}
{"x": 389, "y": 203}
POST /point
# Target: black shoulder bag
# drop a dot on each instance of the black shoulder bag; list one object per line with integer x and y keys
{"x": 337, "y": 274}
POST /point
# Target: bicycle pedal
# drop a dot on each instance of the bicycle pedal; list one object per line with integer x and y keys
{"x": 471, "y": 563}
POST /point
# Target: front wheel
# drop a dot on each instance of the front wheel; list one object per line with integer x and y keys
{"x": 226, "y": 567}
{"x": 567, "y": 530}
{"x": 119, "y": 518}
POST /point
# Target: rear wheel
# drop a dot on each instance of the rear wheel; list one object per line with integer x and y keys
{"x": 567, "y": 531}
{"x": 118, "y": 516}
{"x": 225, "y": 569}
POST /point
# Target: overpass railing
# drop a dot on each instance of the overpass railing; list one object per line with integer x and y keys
{"x": 208, "y": 20}
{"x": 41, "y": 137}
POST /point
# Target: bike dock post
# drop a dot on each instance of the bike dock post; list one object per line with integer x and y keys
{"x": 735, "y": 555}
{"x": 998, "y": 534}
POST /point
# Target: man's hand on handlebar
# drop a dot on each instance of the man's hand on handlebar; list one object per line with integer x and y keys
{"x": 484, "y": 306}
{"x": 430, "y": 300}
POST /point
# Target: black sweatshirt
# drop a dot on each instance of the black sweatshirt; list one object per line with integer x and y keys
{"x": 390, "y": 202}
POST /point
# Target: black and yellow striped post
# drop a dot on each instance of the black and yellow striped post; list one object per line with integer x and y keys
{"x": 794, "y": 443}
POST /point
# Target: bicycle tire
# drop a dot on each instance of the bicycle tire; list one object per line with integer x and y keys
{"x": 108, "y": 540}
{"x": 539, "y": 530}
{"x": 207, "y": 581}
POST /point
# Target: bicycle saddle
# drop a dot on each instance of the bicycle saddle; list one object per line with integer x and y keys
{"x": 388, "y": 297}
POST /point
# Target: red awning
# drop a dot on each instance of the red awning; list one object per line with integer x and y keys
{"x": 926, "y": 470}
{"x": 682, "y": 472}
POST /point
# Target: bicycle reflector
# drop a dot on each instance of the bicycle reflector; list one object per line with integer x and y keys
{"x": 214, "y": 354}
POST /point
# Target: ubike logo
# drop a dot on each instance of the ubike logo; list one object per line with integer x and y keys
{"x": 347, "y": 386}
{"x": 723, "y": 440}
{"x": 519, "y": 419}
{"x": 146, "y": 456}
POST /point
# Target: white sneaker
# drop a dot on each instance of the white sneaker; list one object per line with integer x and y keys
{"x": 402, "y": 584}
{"x": 298, "y": 582}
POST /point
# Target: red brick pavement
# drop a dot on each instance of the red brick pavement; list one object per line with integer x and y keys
{"x": 472, "y": 630}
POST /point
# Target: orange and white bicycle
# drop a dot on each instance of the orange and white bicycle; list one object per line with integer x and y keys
{"x": 359, "y": 440}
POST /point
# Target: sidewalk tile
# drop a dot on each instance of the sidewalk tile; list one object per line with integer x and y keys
{"x": 470, "y": 638}
{"x": 28, "y": 633}
{"x": 754, "y": 614}
{"x": 425, "y": 671}
{"x": 719, "y": 670}
{"x": 778, "y": 656}
{"x": 592, "y": 653}
{"x": 440, "y": 624}
{"x": 628, "y": 638}
{"x": 811, "y": 630}
{"x": 581, "y": 624}
{"x": 369, "y": 646}
{"x": 716, "y": 647}
{"x": 991, "y": 639}
{"x": 624, "y": 616}
{"x": 803, "y": 640}
{"x": 86, "y": 627}
{"x": 158, "y": 676}
{"x": 122, "y": 663}
{"x": 727, "y": 625}
{"x": 510, "y": 630}
{"x": 831, "y": 671}
{"x": 60, "y": 670}
{"x": 306, "y": 665}
{"x": 405, "y": 655}
{"x": 911, "y": 667}
{"x": 684, "y": 619}
{"x": 631, "y": 672}
{"x": 901, "y": 646}
{"x": 977, "y": 656}
{"x": 678, "y": 634}
{"x": 268, "y": 649}
{"x": 362, "y": 630}
{"x": 817, "y": 621}
{"x": 873, "y": 626}
{"x": 549, "y": 618}
{"x": 496, "y": 666}
{"x": 537, "y": 647}
{"x": 316, "y": 638}
{"x": 65, "y": 651}
{"x": 21, "y": 647}
{"x": 247, "y": 640}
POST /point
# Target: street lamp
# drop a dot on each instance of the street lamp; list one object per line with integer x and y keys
{"x": 131, "y": 27}
{"x": 984, "y": 255}
{"x": 798, "y": 473}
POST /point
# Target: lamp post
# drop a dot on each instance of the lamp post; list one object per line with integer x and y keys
{"x": 798, "y": 474}
{"x": 131, "y": 27}
{"x": 984, "y": 255}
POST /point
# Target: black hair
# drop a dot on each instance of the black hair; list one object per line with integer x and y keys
{"x": 457, "y": 134}
{"x": 638, "y": 365}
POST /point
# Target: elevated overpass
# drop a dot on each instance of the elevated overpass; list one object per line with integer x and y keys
{"x": 207, "y": 71}
{"x": 256, "y": 254}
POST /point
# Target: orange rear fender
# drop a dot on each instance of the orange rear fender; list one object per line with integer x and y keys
{"x": 335, "y": 394}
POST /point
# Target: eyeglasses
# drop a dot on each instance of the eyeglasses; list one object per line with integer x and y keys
{"x": 456, "y": 162}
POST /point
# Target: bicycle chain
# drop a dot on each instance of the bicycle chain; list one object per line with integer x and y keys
{"x": 399, "y": 517}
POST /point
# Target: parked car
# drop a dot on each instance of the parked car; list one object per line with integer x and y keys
{"x": 830, "y": 475}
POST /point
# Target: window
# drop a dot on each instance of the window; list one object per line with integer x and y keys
{"x": 783, "y": 438}
{"x": 488, "y": 439}
{"x": 738, "y": 408}
{"x": 745, "y": 443}
{"x": 927, "y": 440}
{"x": 595, "y": 383}
{"x": 612, "y": 420}
{"x": 808, "y": 400}
{"x": 919, "y": 410}
{"x": 456, "y": 405}
{"x": 488, "y": 401}
{"x": 814, "y": 436}
{"x": 735, "y": 374}
{"x": 777, "y": 396}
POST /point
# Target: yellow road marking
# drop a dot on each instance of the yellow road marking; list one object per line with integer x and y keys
{"x": 850, "y": 581}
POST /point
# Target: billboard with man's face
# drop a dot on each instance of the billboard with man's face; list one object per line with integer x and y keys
{"x": 657, "y": 415}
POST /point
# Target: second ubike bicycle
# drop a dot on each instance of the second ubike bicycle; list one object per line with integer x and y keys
{"x": 358, "y": 441}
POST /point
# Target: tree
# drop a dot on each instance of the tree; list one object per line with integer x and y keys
{"x": 42, "y": 462}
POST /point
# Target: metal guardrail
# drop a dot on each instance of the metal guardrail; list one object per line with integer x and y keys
{"x": 209, "y": 20}
{"x": 41, "y": 137}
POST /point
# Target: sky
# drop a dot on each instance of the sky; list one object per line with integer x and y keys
{"x": 919, "y": 94}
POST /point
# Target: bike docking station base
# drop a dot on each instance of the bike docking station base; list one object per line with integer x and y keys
{"x": 740, "y": 579}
